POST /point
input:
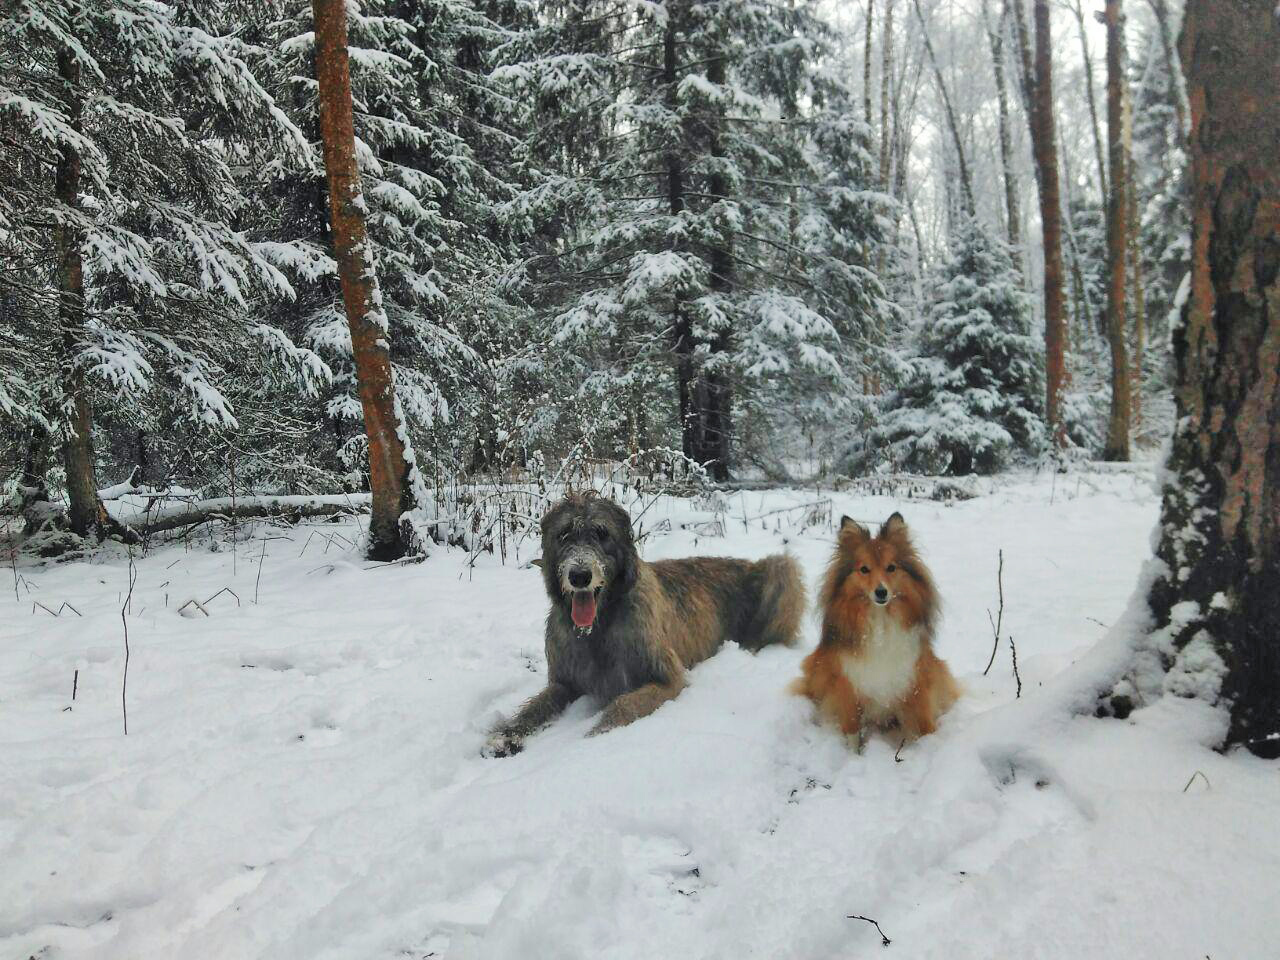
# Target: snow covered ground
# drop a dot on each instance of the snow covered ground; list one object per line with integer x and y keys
{"x": 302, "y": 776}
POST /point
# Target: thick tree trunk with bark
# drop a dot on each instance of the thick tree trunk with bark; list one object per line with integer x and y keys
{"x": 85, "y": 513}
{"x": 1220, "y": 518}
{"x": 1044, "y": 141}
{"x": 1013, "y": 206}
{"x": 1117, "y": 443}
{"x": 388, "y": 468}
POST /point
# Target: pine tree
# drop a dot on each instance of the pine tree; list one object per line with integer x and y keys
{"x": 154, "y": 277}
{"x": 973, "y": 395}
{"x": 703, "y": 223}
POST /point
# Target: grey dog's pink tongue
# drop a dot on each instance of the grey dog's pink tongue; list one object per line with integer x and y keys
{"x": 584, "y": 608}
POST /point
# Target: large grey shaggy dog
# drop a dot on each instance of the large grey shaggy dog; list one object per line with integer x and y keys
{"x": 624, "y": 631}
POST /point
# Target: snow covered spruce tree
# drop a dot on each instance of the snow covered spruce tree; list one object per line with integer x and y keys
{"x": 1215, "y": 605}
{"x": 973, "y": 395}
{"x": 133, "y": 278}
{"x": 702, "y": 255}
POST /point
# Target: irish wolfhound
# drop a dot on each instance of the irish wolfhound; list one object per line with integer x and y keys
{"x": 624, "y": 631}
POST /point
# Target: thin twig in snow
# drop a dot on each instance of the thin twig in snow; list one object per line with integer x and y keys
{"x": 884, "y": 941}
{"x": 1193, "y": 780}
{"x": 124, "y": 620}
{"x": 1013, "y": 652}
{"x": 995, "y": 627}
{"x": 258, "y": 579}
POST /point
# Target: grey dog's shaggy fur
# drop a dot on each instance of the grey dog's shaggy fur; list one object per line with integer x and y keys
{"x": 652, "y": 622}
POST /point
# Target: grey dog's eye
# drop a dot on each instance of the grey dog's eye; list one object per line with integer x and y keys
{"x": 601, "y": 531}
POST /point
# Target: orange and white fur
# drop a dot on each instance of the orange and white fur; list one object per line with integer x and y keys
{"x": 875, "y": 667}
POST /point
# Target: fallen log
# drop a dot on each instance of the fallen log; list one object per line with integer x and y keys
{"x": 245, "y": 508}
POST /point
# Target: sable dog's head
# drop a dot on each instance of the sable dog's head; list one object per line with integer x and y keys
{"x": 881, "y": 572}
{"x": 588, "y": 555}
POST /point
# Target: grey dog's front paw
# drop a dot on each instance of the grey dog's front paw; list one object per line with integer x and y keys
{"x": 502, "y": 745}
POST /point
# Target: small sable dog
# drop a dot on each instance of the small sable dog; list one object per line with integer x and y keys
{"x": 874, "y": 667}
{"x": 624, "y": 631}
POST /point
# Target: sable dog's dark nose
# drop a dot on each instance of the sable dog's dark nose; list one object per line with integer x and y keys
{"x": 580, "y": 578}
{"x": 882, "y": 594}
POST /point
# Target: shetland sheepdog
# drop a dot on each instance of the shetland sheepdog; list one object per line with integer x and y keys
{"x": 875, "y": 667}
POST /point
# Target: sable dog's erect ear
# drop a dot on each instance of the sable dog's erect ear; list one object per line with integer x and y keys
{"x": 854, "y": 528}
{"x": 895, "y": 524}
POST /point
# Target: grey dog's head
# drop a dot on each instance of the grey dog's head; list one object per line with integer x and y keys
{"x": 589, "y": 557}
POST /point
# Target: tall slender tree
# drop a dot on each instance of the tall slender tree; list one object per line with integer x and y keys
{"x": 1045, "y": 144}
{"x": 1013, "y": 206}
{"x": 1117, "y": 444}
{"x": 357, "y": 271}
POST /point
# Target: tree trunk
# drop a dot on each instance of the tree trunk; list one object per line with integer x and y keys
{"x": 1044, "y": 141}
{"x": 85, "y": 512}
{"x": 1178, "y": 93}
{"x": 966, "y": 184}
{"x": 1220, "y": 518}
{"x": 1103, "y": 190}
{"x": 1137, "y": 288}
{"x": 718, "y": 419}
{"x": 886, "y": 82}
{"x": 1013, "y": 206}
{"x": 681, "y": 328}
{"x": 1117, "y": 444}
{"x": 388, "y": 468}
{"x": 866, "y": 62}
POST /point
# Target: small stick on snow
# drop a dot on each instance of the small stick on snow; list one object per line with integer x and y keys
{"x": 995, "y": 627}
{"x": 124, "y": 677}
{"x": 1013, "y": 651}
{"x": 75, "y": 683}
{"x": 884, "y": 941}
{"x": 258, "y": 579}
{"x": 1193, "y": 780}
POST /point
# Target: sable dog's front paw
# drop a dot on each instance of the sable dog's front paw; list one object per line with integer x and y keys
{"x": 502, "y": 745}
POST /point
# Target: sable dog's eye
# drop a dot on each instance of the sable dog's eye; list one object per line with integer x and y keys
{"x": 865, "y": 569}
{"x": 890, "y": 568}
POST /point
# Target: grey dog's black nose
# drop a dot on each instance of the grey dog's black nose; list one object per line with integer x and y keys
{"x": 882, "y": 594}
{"x": 579, "y": 578}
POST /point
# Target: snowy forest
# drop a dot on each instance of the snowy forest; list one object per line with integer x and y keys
{"x": 769, "y": 240}
{"x": 311, "y": 310}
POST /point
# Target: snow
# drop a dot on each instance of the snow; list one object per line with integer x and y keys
{"x": 302, "y": 774}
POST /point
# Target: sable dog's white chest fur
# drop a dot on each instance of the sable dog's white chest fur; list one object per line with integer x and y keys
{"x": 883, "y": 668}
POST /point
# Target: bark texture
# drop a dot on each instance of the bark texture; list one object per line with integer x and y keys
{"x": 1220, "y": 521}
{"x": 388, "y": 467}
{"x": 1044, "y": 142}
{"x": 85, "y": 512}
{"x": 1117, "y": 444}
